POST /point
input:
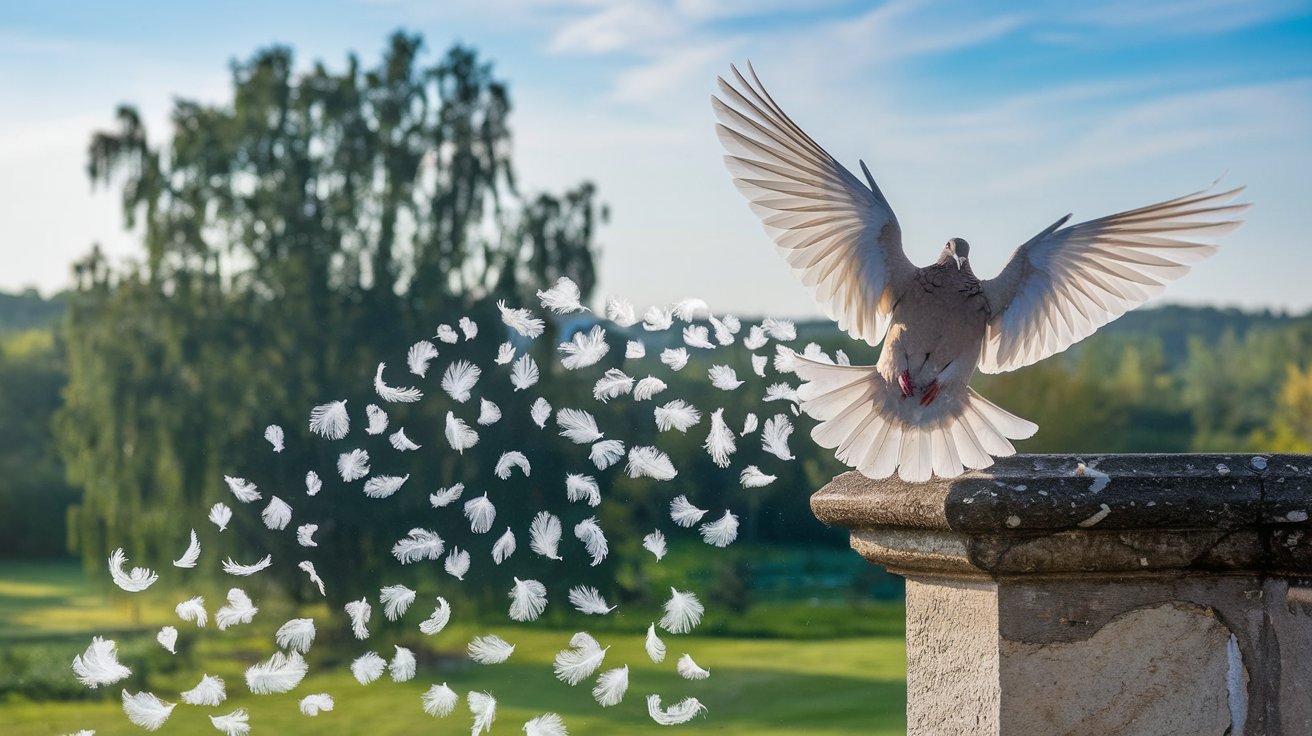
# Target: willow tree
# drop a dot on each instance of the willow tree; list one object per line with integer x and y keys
{"x": 292, "y": 234}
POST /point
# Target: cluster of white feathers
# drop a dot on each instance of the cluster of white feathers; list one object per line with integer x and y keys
{"x": 583, "y": 659}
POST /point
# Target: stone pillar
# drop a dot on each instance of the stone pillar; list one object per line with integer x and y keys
{"x": 1122, "y": 594}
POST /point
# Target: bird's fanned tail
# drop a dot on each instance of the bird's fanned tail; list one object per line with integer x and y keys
{"x": 873, "y": 429}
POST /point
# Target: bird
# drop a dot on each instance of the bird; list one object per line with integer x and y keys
{"x": 913, "y": 412}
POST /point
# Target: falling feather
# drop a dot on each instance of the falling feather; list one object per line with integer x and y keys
{"x": 656, "y": 319}
{"x": 688, "y": 309}
{"x": 377, "y": 419}
{"x": 611, "y": 686}
{"x": 719, "y": 441}
{"x": 528, "y": 599}
{"x": 210, "y": 691}
{"x": 689, "y": 670}
{"x": 682, "y": 612}
{"x": 612, "y": 384}
{"x": 133, "y": 581}
{"x": 759, "y": 362}
{"x": 490, "y": 649}
{"x": 547, "y": 724}
{"x": 683, "y": 513}
{"x": 438, "y": 620}
{"x": 634, "y": 349}
{"x": 583, "y": 350}
{"x": 620, "y": 311}
{"x": 277, "y": 515}
{"x": 330, "y": 420}
{"x": 840, "y": 358}
{"x": 697, "y": 336}
{"x": 279, "y": 674}
{"x": 588, "y": 600}
{"x": 524, "y": 373}
{"x": 576, "y": 664}
{"x": 594, "y": 540}
{"x": 273, "y": 433}
{"x": 510, "y": 460}
{"x": 540, "y": 412}
{"x": 383, "y": 486}
{"x": 483, "y": 707}
{"x": 353, "y": 465}
{"x": 440, "y": 701}
{"x": 236, "y": 723}
{"x": 146, "y": 710}
{"x": 368, "y": 667}
{"x": 242, "y": 489}
{"x": 606, "y": 453}
{"x": 387, "y": 393}
{"x": 724, "y": 378}
{"x": 313, "y": 574}
{"x": 456, "y": 563}
{"x": 505, "y": 353}
{"x": 220, "y": 515}
{"x": 446, "y": 496}
{"x": 752, "y": 477}
{"x": 675, "y": 358}
{"x": 446, "y": 334}
{"x": 469, "y": 328}
{"x": 578, "y": 426}
{"x": 312, "y": 483}
{"x": 677, "y": 414}
{"x": 582, "y": 488}
{"x": 681, "y": 712}
{"x": 756, "y": 338}
{"x": 504, "y": 547}
{"x": 459, "y": 379}
{"x": 654, "y": 646}
{"x": 458, "y": 434}
{"x": 648, "y": 462}
{"x": 359, "y": 612}
{"x": 721, "y": 532}
{"x": 191, "y": 555}
{"x": 647, "y": 388}
{"x": 481, "y": 513}
{"x": 655, "y": 544}
{"x": 563, "y": 298}
{"x": 780, "y": 392}
{"x": 488, "y": 413}
{"x": 750, "y": 423}
{"x": 724, "y": 332}
{"x": 396, "y": 600}
{"x": 774, "y": 438}
{"x": 785, "y": 359}
{"x": 812, "y": 351}
{"x": 313, "y": 705}
{"x": 99, "y": 664}
{"x": 168, "y": 638}
{"x": 296, "y": 635}
{"x": 781, "y": 330}
{"x": 305, "y": 535}
{"x": 544, "y": 534}
{"x": 403, "y": 665}
{"x": 193, "y": 609}
{"x": 399, "y": 441}
{"x": 419, "y": 356}
{"x": 419, "y": 544}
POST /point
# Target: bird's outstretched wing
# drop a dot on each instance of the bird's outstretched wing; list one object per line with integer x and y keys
{"x": 839, "y": 236}
{"x": 1066, "y": 282}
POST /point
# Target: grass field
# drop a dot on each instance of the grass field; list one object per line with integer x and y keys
{"x": 816, "y": 685}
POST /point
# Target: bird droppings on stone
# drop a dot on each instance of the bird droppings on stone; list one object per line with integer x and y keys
{"x": 1222, "y": 468}
{"x": 1103, "y": 511}
{"x": 1013, "y": 521}
{"x": 1296, "y": 516}
{"x": 1258, "y": 463}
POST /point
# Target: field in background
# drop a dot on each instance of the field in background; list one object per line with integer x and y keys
{"x": 841, "y": 671}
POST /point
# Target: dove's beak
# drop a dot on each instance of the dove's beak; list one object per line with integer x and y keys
{"x": 958, "y": 259}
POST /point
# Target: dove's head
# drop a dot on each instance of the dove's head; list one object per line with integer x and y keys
{"x": 956, "y": 250}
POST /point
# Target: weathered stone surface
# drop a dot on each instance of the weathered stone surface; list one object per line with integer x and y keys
{"x": 952, "y": 658}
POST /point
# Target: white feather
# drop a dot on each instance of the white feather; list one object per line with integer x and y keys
{"x": 368, "y": 667}
{"x": 353, "y": 465}
{"x": 383, "y": 486}
{"x": 612, "y": 384}
{"x": 634, "y": 349}
{"x": 606, "y": 453}
{"x": 682, "y": 612}
{"x": 134, "y": 581}
{"x": 469, "y": 327}
{"x": 584, "y": 350}
{"x": 330, "y": 420}
{"x": 750, "y": 423}
{"x": 724, "y": 330}
{"x": 689, "y": 670}
{"x": 402, "y": 667}
{"x": 505, "y": 353}
{"x": 540, "y": 412}
{"x": 399, "y": 441}
{"x": 655, "y": 544}
{"x": 220, "y": 515}
{"x": 752, "y": 477}
{"x": 305, "y": 535}
{"x": 578, "y": 426}
{"x": 440, "y": 701}
{"x": 681, "y": 712}
{"x": 419, "y": 544}
{"x": 193, "y": 609}
{"x": 504, "y": 547}
{"x": 654, "y": 646}
{"x": 721, "y": 532}
{"x": 99, "y": 664}
{"x": 359, "y": 612}
{"x": 168, "y": 638}
{"x": 273, "y": 433}
{"x": 191, "y": 555}
{"x": 528, "y": 599}
{"x": 840, "y": 358}
{"x": 146, "y": 710}
{"x": 647, "y": 388}
{"x": 456, "y": 563}
{"x": 677, "y": 414}
{"x": 688, "y": 309}
{"x": 675, "y": 358}
{"x": 582, "y": 488}
{"x": 278, "y": 674}
{"x": 524, "y": 373}
{"x": 611, "y": 686}
{"x": 547, "y": 724}
{"x": 236, "y": 723}
{"x": 785, "y": 359}
{"x": 684, "y": 513}
{"x": 719, "y": 441}
{"x": 488, "y": 413}
{"x": 420, "y": 354}
{"x": 588, "y": 600}
{"x": 312, "y": 483}
{"x": 656, "y": 319}
{"x": 481, "y": 513}
{"x": 394, "y": 395}
{"x": 377, "y": 419}
{"x": 446, "y": 496}
{"x": 812, "y": 351}
{"x": 521, "y": 321}
{"x": 458, "y": 434}
{"x": 756, "y": 338}
{"x": 509, "y": 460}
{"x": 210, "y": 691}
{"x": 484, "y": 709}
{"x": 242, "y": 489}
{"x": 781, "y": 392}
{"x": 697, "y": 336}
{"x": 759, "y": 362}
{"x": 297, "y": 635}
{"x": 544, "y": 535}
{"x": 650, "y": 463}
{"x": 563, "y": 298}
{"x": 396, "y": 600}
{"x": 239, "y": 610}
{"x": 576, "y": 664}
{"x": 459, "y": 379}
{"x": 438, "y": 621}
{"x": 490, "y": 649}
{"x": 774, "y": 438}
{"x": 316, "y": 703}
{"x": 594, "y": 540}
{"x": 446, "y": 334}
{"x": 781, "y": 330}
{"x": 308, "y": 567}
{"x": 724, "y": 378}
{"x": 277, "y": 515}
{"x": 620, "y": 311}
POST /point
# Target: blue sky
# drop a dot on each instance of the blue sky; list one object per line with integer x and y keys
{"x": 980, "y": 120}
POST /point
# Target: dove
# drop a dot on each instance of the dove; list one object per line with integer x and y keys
{"x": 913, "y": 412}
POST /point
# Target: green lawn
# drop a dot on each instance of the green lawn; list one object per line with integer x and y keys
{"x": 853, "y": 685}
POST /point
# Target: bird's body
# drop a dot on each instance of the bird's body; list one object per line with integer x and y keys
{"x": 913, "y": 412}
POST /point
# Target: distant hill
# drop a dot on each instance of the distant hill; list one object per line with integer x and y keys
{"x": 29, "y": 310}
